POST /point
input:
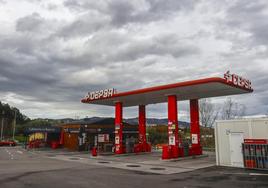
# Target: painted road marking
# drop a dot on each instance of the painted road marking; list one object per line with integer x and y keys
{"x": 251, "y": 174}
{"x": 20, "y": 152}
{"x": 239, "y": 173}
{"x": 257, "y": 174}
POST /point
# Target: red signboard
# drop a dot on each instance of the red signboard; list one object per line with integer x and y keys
{"x": 256, "y": 141}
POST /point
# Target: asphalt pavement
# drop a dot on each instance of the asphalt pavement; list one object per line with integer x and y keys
{"x": 20, "y": 168}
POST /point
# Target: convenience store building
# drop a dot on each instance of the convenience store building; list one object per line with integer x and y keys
{"x": 83, "y": 135}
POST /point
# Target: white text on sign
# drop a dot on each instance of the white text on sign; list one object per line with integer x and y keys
{"x": 105, "y": 93}
{"x": 237, "y": 80}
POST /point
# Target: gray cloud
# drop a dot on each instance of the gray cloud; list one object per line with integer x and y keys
{"x": 51, "y": 6}
{"x": 48, "y": 63}
{"x": 32, "y": 22}
{"x": 251, "y": 17}
{"x": 123, "y": 12}
{"x": 84, "y": 25}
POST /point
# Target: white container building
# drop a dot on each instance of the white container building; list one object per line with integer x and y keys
{"x": 230, "y": 134}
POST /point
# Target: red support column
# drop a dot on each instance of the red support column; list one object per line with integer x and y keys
{"x": 62, "y": 137}
{"x": 143, "y": 146}
{"x": 195, "y": 128}
{"x": 142, "y": 124}
{"x": 173, "y": 137}
{"x": 118, "y": 128}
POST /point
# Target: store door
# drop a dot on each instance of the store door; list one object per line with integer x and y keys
{"x": 236, "y": 140}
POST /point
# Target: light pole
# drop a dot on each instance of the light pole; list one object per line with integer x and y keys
{"x": 14, "y": 123}
{"x": 2, "y": 125}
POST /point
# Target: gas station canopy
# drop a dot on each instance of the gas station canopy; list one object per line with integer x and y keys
{"x": 231, "y": 84}
{"x": 195, "y": 89}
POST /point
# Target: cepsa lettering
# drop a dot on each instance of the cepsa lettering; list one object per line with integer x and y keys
{"x": 101, "y": 94}
{"x": 237, "y": 80}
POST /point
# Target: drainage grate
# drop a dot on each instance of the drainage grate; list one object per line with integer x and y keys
{"x": 135, "y": 166}
{"x": 103, "y": 162}
{"x": 157, "y": 168}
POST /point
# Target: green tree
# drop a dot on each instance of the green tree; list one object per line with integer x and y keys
{"x": 7, "y": 116}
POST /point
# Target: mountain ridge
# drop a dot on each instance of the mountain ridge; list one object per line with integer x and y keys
{"x": 131, "y": 121}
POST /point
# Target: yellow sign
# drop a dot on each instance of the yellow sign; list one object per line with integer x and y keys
{"x": 37, "y": 136}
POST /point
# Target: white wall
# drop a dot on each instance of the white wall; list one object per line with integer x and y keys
{"x": 251, "y": 129}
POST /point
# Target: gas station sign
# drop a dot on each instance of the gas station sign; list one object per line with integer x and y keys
{"x": 104, "y": 93}
{"x": 237, "y": 80}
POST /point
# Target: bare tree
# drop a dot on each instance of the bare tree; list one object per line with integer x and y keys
{"x": 208, "y": 112}
{"x": 232, "y": 109}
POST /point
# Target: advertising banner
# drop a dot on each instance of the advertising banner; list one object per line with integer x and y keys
{"x": 103, "y": 137}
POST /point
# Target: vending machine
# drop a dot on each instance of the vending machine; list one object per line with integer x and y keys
{"x": 255, "y": 153}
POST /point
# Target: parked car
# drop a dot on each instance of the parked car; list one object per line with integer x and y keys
{"x": 8, "y": 143}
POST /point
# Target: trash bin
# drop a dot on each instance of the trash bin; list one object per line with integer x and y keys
{"x": 54, "y": 145}
{"x": 165, "y": 152}
{"x": 94, "y": 151}
{"x": 137, "y": 148}
{"x": 186, "y": 149}
{"x": 148, "y": 147}
{"x": 174, "y": 152}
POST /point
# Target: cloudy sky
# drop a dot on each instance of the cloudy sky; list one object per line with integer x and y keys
{"x": 53, "y": 52}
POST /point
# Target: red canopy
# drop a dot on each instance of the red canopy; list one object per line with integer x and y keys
{"x": 195, "y": 89}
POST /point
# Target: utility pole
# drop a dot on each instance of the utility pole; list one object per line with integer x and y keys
{"x": 14, "y": 124}
{"x": 2, "y": 125}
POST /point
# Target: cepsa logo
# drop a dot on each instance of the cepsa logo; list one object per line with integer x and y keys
{"x": 237, "y": 80}
{"x": 105, "y": 93}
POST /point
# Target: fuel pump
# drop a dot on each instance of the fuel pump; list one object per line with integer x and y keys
{"x": 118, "y": 139}
{"x": 81, "y": 139}
{"x": 173, "y": 140}
{"x": 171, "y": 133}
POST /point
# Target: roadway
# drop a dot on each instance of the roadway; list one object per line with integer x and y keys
{"x": 20, "y": 168}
